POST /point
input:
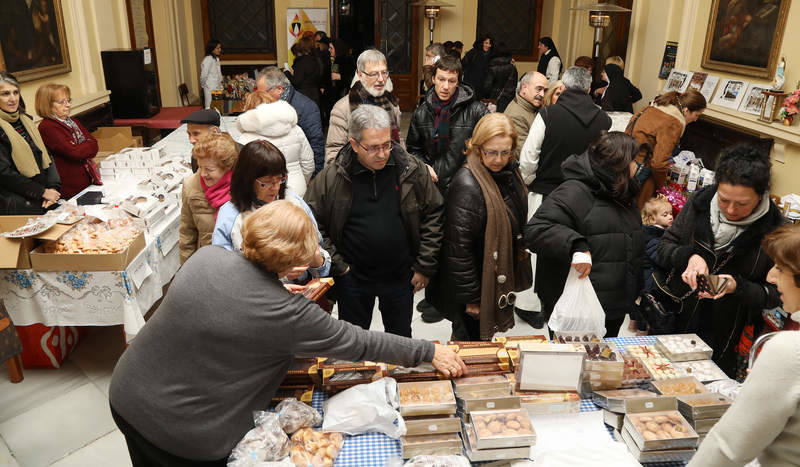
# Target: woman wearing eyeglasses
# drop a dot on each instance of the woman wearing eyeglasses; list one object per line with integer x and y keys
{"x": 259, "y": 178}
{"x": 591, "y": 223}
{"x": 29, "y": 181}
{"x": 71, "y": 146}
{"x": 206, "y": 191}
{"x": 483, "y": 259}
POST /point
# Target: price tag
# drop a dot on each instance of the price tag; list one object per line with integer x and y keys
{"x": 490, "y": 405}
{"x": 648, "y": 405}
{"x": 139, "y": 270}
{"x": 433, "y": 428}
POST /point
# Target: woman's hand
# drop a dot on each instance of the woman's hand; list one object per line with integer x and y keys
{"x": 730, "y": 287}
{"x": 51, "y": 195}
{"x": 294, "y": 273}
{"x": 448, "y": 362}
{"x": 697, "y": 265}
{"x": 474, "y": 310}
{"x": 583, "y": 268}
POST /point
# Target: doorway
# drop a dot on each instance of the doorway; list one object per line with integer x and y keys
{"x": 390, "y": 26}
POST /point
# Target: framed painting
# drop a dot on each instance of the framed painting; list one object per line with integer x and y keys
{"x": 744, "y": 36}
{"x": 33, "y": 43}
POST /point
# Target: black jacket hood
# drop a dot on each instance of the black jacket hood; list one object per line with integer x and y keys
{"x": 579, "y": 104}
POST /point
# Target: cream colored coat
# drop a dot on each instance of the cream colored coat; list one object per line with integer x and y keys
{"x": 197, "y": 218}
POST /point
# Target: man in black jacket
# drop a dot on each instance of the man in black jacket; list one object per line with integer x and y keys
{"x": 439, "y": 130}
{"x": 380, "y": 216}
{"x": 558, "y": 131}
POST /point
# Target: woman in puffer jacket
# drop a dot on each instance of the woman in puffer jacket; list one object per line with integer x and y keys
{"x": 593, "y": 212}
{"x": 276, "y": 122}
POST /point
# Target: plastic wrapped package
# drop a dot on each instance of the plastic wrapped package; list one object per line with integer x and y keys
{"x": 314, "y": 448}
{"x": 437, "y": 461}
{"x": 265, "y": 443}
{"x": 86, "y": 237}
{"x": 294, "y": 415}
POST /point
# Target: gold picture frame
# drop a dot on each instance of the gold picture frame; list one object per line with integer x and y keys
{"x": 746, "y": 37}
{"x": 33, "y": 42}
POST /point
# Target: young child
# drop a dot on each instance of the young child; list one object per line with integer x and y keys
{"x": 656, "y": 218}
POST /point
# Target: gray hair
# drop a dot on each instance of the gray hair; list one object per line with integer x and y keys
{"x": 578, "y": 78}
{"x": 6, "y": 77}
{"x": 436, "y": 49}
{"x": 370, "y": 56}
{"x": 526, "y": 78}
{"x": 273, "y": 77}
{"x": 366, "y": 117}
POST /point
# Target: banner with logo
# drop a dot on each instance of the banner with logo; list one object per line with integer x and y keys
{"x": 304, "y": 21}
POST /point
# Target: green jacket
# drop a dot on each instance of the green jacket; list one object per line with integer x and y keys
{"x": 330, "y": 197}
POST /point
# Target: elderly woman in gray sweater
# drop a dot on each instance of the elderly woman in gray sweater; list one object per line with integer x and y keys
{"x": 764, "y": 421}
{"x": 223, "y": 339}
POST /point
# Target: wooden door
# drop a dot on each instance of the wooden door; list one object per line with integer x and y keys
{"x": 399, "y": 40}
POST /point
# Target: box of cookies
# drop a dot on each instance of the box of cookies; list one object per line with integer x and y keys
{"x": 502, "y": 429}
{"x": 445, "y": 444}
{"x": 550, "y": 367}
{"x": 432, "y": 424}
{"x": 660, "y": 430}
{"x": 423, "y": 372}
{"x": 426, "y": 398}
{"x": 479, "y": 383}
{"x": 704, "y": 370}
{"x": 617, "y": 400}
{"x": 485, "y": 455}
{"x": 635, "y": 373}
{"x": 338, "y": 375}
{"x": 577, "y": 337}
{"x": 512, "y": 342}
{"x": 703, "y": 406}
{"x": 661, "y": 455}
{"x": 679, "y": 386}
{"x": 656, "y": 363}
{"x": 303, "y": 371}
{"x": 302, "y": 392}
{"x": 91, "y": 246}
{"x": 487, "y": 399}
{"x": 549, "y": 402}
{"x": 703, "y": 426}
{"x": 683, "y": 347}
{"x": 479, "y": 353}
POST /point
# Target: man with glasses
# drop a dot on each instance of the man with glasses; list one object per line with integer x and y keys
{"x": 373, "y": 87}
{"x": 272, "y": 81}
{"x": 380, "y": 216}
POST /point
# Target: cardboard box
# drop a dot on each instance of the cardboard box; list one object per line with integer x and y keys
{"x": 87, "y": 262}
{"x": 115, "y": 138}
{"x": 15, "y": 252}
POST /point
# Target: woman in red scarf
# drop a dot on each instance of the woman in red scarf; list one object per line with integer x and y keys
{"x": 205, "y": 191}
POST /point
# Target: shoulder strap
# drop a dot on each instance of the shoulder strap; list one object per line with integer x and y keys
{"x": 632, "y": 123}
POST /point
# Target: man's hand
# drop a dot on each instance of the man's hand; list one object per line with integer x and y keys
{"x": 448, "y": 362}
{"x": 474, "y": 310}
{"x": 697, "y": 265}
{"x": 419, "y": 282}
{"x": 583, "y": 268}
{"x": 434, "y": 177}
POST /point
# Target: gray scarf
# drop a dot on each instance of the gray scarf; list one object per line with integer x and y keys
{"x": 726, "y": 231}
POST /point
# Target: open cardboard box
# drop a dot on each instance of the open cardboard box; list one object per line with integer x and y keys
{"x": 115, "y": 138}
{"x": 87, "y": 262}
{"x": 15, "y": 252}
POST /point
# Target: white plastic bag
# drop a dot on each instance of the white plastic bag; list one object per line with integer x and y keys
{"x": 365, "y": 408}
{"x": 265, "y": 443}
{"x": 578, "y": 308}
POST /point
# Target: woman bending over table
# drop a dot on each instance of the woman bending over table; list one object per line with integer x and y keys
{"x": 764, "y": 421}
{"x": 29, "y": 182}
{"x": 223, "y": 339}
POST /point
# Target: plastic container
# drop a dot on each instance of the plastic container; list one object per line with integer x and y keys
{"x": 426, "y": 398}
{"x": 661, "y": 430}
{"x": 502, "y": 429}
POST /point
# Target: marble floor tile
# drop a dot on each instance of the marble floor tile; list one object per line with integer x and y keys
{"x": 6, "y": 459}
{"x": 103, "y": 383}
{"x": 108, "y": 450}
{"x": 58, "y": 427}
{"x": 39, "y": 386}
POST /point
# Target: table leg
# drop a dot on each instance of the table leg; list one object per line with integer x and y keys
{"x": 15, "y": 369}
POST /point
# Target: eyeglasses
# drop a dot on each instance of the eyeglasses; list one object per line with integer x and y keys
{"x": 374, "y": 150}
{"x": 497, "y": 154}
{"x": 384, "y": 74}
{"x": 269, "y": 183}
{"x": 64, "y": 101}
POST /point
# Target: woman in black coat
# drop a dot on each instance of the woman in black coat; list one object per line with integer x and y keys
{"x": 620, "y": 94}
{"x": 476, "y": 64}
{"x": 501, "y": 80}
{"x": 483, "y": 258}
{"x": 719, "y": 231}
{"x": 307, "y": 74}
{"x": 593, "y": 212}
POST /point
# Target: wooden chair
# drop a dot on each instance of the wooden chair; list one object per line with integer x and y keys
{"x": 183, "y": 90}
{"x": 10, "y": 345}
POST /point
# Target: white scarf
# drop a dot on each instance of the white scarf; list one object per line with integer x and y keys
{"x": 726, "y": 231}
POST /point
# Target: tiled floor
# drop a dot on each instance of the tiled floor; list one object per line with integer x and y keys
{"x": 61, "y": 417}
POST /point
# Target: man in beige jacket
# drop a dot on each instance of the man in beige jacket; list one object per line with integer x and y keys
{"x": 372, "y": 86}
{"x": 526, "y": 104}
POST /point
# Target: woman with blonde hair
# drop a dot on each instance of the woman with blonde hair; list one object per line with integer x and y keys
{"x": 223, "y": 339}
{"x": 206, "y": 191}
{"x": 276, "y": 122}
{"x": 72, "y": 147}
{"x": 553, "y": 92}
{"x": 483, "y": 262}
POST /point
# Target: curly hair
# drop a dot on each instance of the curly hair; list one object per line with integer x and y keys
{"x": 745, "y": 165}
{"x": 279, "y": 236}
{"x": 218, "y": 146}
{"x": 783, "y": 246}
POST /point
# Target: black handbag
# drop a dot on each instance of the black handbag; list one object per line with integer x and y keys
{"x": 661, "y": 305}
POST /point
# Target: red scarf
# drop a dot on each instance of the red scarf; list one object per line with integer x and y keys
{"x": 218, "y": 194}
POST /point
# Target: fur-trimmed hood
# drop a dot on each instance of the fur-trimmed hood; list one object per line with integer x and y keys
{"x": 271, "y": 120}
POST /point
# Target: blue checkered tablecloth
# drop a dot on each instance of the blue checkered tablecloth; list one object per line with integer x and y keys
{"x": 375, "y": 449}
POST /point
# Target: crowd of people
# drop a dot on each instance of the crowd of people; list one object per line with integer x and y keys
{"x": 486, "y": 211}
